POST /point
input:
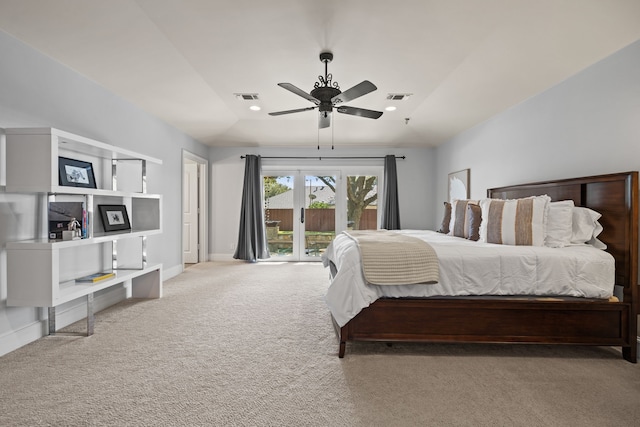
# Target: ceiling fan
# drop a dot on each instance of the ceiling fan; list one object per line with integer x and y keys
{"x": 327, "y": 96}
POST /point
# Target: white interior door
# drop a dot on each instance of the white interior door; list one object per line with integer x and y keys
{"x": 190, "y": 213}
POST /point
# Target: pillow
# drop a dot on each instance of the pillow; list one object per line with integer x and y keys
{"x": 514, "y": 222}
{"x": 585, "y": 227}
{"x": 474, "y": 218}
{"x": 458, "y": 226}
{"x": 444, "y": 227}
{"x": 559, "y": 224}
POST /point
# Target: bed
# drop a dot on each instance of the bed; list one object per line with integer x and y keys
{"x": 542, "y": 319}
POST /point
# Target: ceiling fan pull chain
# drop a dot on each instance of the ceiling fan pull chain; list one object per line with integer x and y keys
{"x": 333, "y": 128}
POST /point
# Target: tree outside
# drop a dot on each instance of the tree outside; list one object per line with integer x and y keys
{"x": 360, "y": 194}
{"x": 273, "y": 187}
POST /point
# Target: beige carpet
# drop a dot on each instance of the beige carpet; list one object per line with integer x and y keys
{"x": 234, "y": 344}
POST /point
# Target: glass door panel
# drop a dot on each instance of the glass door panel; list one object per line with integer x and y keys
{"x": 362, "y": 202}
{"x": 278, "y": 214}
{"x": 300, "y": 214}
{"x": 319, "y": 226}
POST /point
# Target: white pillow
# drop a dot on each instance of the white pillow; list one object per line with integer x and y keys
{"x": 559, "y": 224}
{"x": 586, "y": 228}
{"x": 515, "y": 221}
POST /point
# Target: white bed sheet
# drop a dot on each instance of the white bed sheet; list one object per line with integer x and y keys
{"x": 474, "y": 268}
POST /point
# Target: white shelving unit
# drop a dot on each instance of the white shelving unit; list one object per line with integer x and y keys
{"x": 42, "y": 272}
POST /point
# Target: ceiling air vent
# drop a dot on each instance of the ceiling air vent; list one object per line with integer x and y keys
{"x": 246, "y": 96}
{"x": 398, "y": 96}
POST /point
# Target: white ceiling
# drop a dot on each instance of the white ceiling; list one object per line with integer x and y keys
{"x": 463, "y": 61}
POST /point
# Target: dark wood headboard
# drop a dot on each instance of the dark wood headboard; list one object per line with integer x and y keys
{"x": 615, "y": 196}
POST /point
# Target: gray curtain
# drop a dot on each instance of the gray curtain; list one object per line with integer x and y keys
{"x": 390, "y": 206}
{"x": 252, "y": 238}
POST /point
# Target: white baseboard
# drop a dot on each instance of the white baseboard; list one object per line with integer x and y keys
{"x": 15, "y": 339}
{"x": 168, "y": 273}
{"x": 66, "y": 315}
{"x": 221, "y": 257}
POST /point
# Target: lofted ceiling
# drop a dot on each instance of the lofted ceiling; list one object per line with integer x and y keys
{"x": 462, "y": 61}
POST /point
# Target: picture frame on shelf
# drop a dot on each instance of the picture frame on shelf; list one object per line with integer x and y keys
{"x": 75, "y": 173}
{"x": 114, "y": 217}
{"x": 61, "y": 214}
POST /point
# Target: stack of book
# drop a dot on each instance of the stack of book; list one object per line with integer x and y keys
{"x": 96, "y": 277}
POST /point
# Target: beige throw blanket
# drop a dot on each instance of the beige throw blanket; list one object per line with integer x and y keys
{"x": 390, "y": 258}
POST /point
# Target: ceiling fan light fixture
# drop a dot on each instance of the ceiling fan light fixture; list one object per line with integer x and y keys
{"x": 391, "y": 108}
{"x": 326, "y": 95}
{"x": 255, "y": 108}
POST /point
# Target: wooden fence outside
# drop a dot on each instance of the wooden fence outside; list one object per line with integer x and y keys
{"x": 319, "y": 219}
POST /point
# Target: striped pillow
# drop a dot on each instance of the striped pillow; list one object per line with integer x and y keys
{"x": 459, "y": 225}
{"x": 514, "y": 222}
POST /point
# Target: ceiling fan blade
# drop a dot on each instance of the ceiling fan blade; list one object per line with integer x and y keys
{"x": 355, "y": 92}
{"x": 298, "y": 110}
{"x": 360, "y": 112}
{"x": 299, "y": 92}
{"x": 325, "y": 120}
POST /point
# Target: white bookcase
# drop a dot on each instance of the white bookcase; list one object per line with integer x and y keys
{"x": 42, "y": 272}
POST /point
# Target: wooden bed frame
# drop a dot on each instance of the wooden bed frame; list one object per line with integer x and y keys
{"x": 522, "y": 319}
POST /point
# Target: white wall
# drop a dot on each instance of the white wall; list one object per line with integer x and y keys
{"x": 587, "y": 125}
{"x": 416, "y": 186}
{"x": 36, "y": 91}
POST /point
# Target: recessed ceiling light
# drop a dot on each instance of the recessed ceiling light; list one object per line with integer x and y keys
{"x": 254, "y": 108}
{"x": 390, "y": 108}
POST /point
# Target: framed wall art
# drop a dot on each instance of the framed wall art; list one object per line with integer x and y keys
{"x": 114, "y": 217}
{"x": 459, "y": 185}
{"x": 61, "y": 214}
{"x": 75, "y": 173}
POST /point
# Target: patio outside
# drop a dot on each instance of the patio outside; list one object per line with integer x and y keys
{"x": 319, "y": 212}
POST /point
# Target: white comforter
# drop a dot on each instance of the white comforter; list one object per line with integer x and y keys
{"x": 474, "y": 268}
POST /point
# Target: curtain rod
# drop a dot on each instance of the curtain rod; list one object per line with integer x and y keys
{"x": 324, "y": 157}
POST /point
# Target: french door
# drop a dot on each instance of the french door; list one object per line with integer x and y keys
{"x": 301, "y": 212}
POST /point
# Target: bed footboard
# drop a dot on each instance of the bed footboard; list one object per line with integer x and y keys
{"x": 480, "y": 320}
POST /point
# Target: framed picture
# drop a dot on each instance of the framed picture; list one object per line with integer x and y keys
{"x": 75, "y": 173}
{"x": 459, "y": 185}
{"x": 114, "y": 217}
{"x": 61, "y": 214}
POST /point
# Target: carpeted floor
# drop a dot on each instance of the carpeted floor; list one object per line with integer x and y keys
{"x": 235, "y": 344}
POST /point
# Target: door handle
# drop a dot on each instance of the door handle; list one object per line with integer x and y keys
{"x": 302, "y": 215}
